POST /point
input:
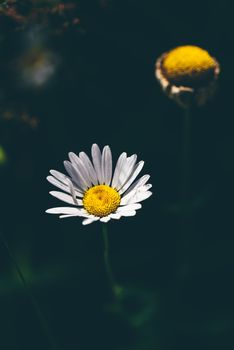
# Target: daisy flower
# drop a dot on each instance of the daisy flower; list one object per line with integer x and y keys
{"x": 95, "y": 191}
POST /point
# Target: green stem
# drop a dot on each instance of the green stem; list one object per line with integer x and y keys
{"x": 184, "y": 255}
{"x": 34, "y": 302}
{"x": 186, "y": 155}
{"x": 114, "y": 287}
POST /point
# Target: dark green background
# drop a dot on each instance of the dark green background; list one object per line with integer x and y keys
{"x": 177, "y": 265}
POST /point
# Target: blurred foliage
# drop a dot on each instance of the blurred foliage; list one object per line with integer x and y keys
{"x": 78, "y": 72}
{"x": 48, "y": 13}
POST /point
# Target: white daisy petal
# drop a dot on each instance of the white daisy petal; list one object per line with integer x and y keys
{"x": 105, "y": 219}
{"x": 135, "y": 197}
{"x": 60, "y": 176}
{"x": 127, "y": 207}
{"x": 79, "y": 165}
{"x": 89, "y": 166}
{"x": 76, "y": 176}
{"x": 143, "y": 188}
{"x": 136, "y": 184}
{"x": 72, "y": 191}
{"x": 126, "y": 170}
{"x": 67, "y": 216}
{"x": 97, "y": 161}
{"x": 73, "y": 157}
{"x": 131, "y": 193}
{"x": 115, "y": 216}
{"x": 64, "y": 210}
{"x": 64, "y": 179}
{"x": 128, "y": 213}
{"x": 131, "y": 161}
{"x": 57, "y": 183}
{"x": 137, "y": 169}
{"x": 106, "y": 165}
{"x": 90, "y": 220}
{"x": 63, "y": 187}
{"x": 69, "y": 168}
{"x": 65, "y": 198}
{"x": 118, "y": 168}
{"x": 146, "y": 187}
{"x": 82, "y": 214}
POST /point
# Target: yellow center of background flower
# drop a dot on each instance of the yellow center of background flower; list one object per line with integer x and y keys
{"x": 188, "y": 66}
{"x": 101, "y": 200}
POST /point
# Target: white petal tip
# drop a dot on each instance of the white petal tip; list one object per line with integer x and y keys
{"x": 105, "y": 219}
{"x": 52, "y": 172}
{"x": 86, "y": 222}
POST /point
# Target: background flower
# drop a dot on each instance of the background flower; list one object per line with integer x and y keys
{"x": 188, "y": 74}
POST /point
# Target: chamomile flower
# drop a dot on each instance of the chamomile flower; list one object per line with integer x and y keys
{"x": 188, "y": 74}
{"x": 95, "y": 191}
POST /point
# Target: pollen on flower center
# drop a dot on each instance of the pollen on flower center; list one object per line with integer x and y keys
{"x": 188, "y": 65}
{"x": 101, "y": 200}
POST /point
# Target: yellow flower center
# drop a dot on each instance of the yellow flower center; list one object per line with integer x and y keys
{"x": 101, "y": 200}
{"x": 188, "y": 66}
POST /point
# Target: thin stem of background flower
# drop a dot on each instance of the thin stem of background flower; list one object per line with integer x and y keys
{"x": 34, "y": 302}
{"x": 186, "y": 154}
{"x": 185, "y": 186}
{"x": 116, "y": 289}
